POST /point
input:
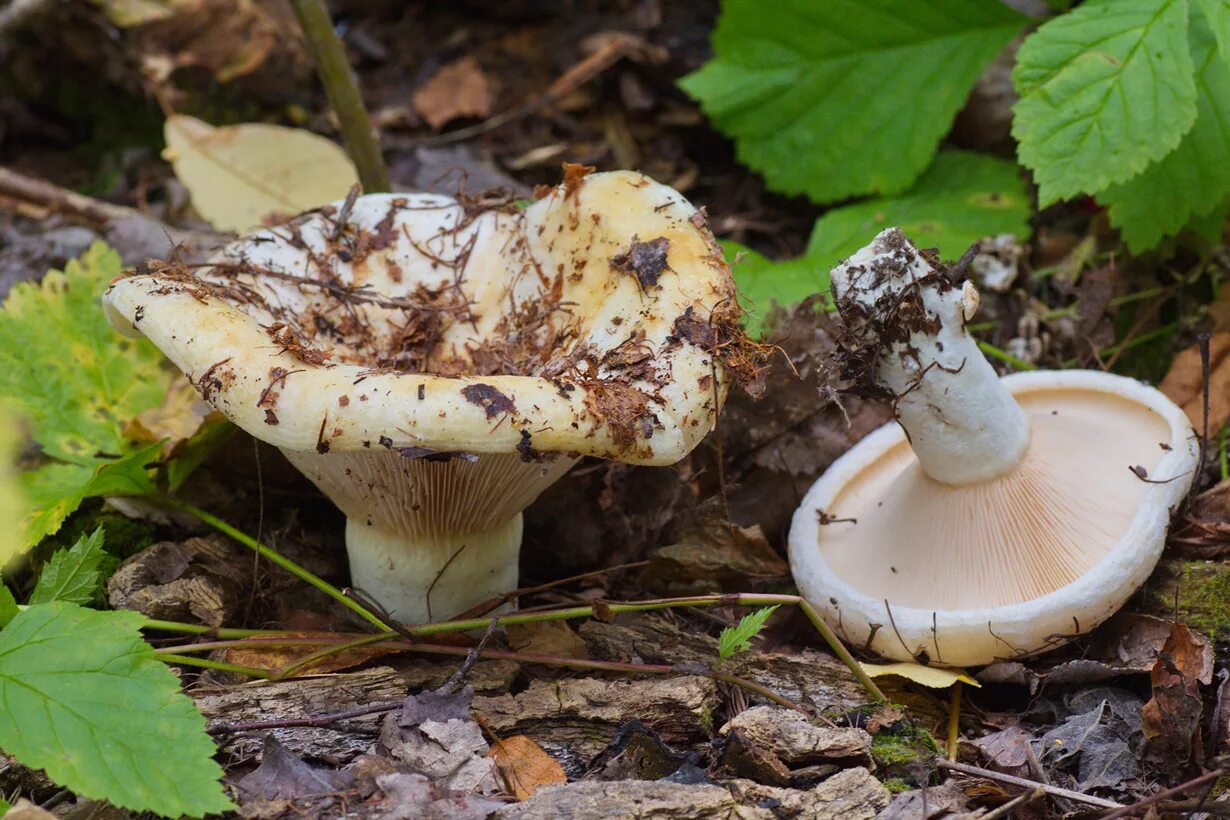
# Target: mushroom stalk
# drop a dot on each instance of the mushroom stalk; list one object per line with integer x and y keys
{"x": 425, "y": 579}
{"x": 962, "y": 423}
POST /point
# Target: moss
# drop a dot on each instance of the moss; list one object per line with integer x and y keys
{"x": 904, "y": 752}
{"x": 1196, "y": 592}
{"x": 896, "y": 785}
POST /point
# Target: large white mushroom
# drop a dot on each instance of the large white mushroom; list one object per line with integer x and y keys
{"x": 433, "y": 364}
{"x": 996, "y": 517}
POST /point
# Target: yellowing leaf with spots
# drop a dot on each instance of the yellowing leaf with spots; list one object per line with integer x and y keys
{"x": 239, "y": 175}
{"x": 78, "y": 383}
{"x": 930, "y": 676}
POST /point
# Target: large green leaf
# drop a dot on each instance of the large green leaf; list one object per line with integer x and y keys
{"x": 845, "y": 97}
{"x": 83, "y": 697}
{"x": 1217, "y": 13}
{"x": 12, "y": 497}
{"x": 962, "y": 198}
{"x": 1192, "y": 180}
{"x": 1105, "y": 90}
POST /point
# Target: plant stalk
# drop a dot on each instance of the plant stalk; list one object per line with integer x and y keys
{"x": 342, "y": 88}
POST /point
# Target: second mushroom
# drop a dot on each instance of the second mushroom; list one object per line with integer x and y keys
{"x": 996, "y": 517}
{"x": 433, "y": 364}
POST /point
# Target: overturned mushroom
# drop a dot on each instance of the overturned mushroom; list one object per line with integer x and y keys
{"x": 433, "y": 364}
{"x": 1001, "y": 516}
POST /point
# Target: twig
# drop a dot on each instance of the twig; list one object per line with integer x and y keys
{"x": 275, "y": 557}
{"x": 455, "y": 680}
{"x": 478, "y": 610}
{"x": 205, "y": 663}
{"x": 336, "y": 75}
{"x": 1124, "y": 811}
{"x": 1015, "y": 803}
{"x": 61, "y": 200}
{"x": 1056, "y": 791}
{"x": 318, "y": 722}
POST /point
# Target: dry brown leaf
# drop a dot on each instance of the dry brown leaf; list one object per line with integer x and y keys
{"x": 547, "y": 638}
{"x": 457, "y": 90}
{"x": 240, "y": 174}
{"x": 179, "y": 417}
{"x": 275, "y": 658}
{"x": 1184, "y": 383}
{"x": 525, "y": 766}
{"x": 1171, "y": 719}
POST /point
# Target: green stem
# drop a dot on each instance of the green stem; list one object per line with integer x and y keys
{"x": 342, "y": 88}
{"x": 1005, "y": 357}
{"x": 291, "y": 669}
{"x": 200, "y": 629}
{"x": 205, "y": 663}
{"x": 275, "y": 557}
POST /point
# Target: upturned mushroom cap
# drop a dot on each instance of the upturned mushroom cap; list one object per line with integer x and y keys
{"x": 434, "y": 363}
{"x": 998, "y": 517}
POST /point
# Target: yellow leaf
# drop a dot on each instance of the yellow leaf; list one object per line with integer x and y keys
{"x": 240, "y": 175}
{"x": 931, "y": 676}
{"x": 12, "y": 499}
{"x": 180, "y": 417}
{"x": 525, "y": 765}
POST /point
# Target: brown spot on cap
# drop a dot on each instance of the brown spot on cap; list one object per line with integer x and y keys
{"x": 488, "y": 398}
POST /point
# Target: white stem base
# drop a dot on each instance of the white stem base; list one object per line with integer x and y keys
{"x": 420, "y": 582}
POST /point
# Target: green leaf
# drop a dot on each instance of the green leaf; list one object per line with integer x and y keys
{"x": 55, "y": 490}
{"x": 962, "y": 198}
{"x": 8, "y": 606}
{"x": 845, "y": 97}
{"x": 1193, "y": 179}
{"x": 86, "y": 699}
{"x": 737, "y": 638}
{"x": 12, "y": 498}
{"x": 78, "y": 382}
{"x": 1105, "y": 90}
{"x": 73, "y": 574}
{"x": 1217, "y": 13}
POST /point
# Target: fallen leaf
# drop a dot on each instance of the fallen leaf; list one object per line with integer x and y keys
{"x": 273, "y": 659}
{"x": 1205, "y": 529}
{"x": 459, "y": 89}
{"x": 283, "y": 776}
{"x": 715, "y": 555}
{"x": 1184, "y": 383}
{"x": 239, "y": 175}
{"x": 180, "y": 416}
{"x": 1100, "y": 736}
{"x": 413, "y": 796}
{"x": 1171, "y": 719}
{"x": 547, "y": 638}
{"x": 23, "y": 809}
{"x": 929, "y": 676}
{"x": 525, "y": 766}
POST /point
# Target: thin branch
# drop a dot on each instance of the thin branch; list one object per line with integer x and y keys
{"x": 341, "y": 86}
{"x": 1055, "y": 791}
{"x": 1141, "y": 805}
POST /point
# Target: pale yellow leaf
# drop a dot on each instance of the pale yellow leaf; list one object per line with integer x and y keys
{"x": 525, "y": 765}
{"x": 241, "y": 175}
{"x": 12, "y": 499}
{"x": 931, "y": 676}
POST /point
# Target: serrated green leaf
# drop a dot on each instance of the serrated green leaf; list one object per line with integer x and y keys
{"x": 1105, "y": 90}
{"x": 962, "y": 198}
{"x": 845, "y": 97}
{"x": 73, "y": 574}
{"x": 78, "y": 382}
{"x": 1193, "y": 179}
{"x": 1217, "y": 13}
{"x": 55, "y": 490}
{"x": 83, "y": 697}
{"x": 738, "y": 638}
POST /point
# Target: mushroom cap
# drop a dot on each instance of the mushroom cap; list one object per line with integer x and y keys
{"x": 975, "y": 573}
{"x": 583, "y": 324}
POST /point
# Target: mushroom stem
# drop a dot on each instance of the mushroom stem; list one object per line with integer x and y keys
{"x": 907, "y": 320}
{"x": 419, "y": 580}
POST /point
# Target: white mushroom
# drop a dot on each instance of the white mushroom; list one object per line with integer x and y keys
{"x": 433, "y": 364}
{"x": 1000, "y": 516}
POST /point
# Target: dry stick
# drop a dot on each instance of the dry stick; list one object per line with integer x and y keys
{"x": 61, "y": 200}
{"x": 336, "y": 75}
{"x": 318, "y": 722}
{"x": 486, "y": 606}
{"x": 1124, "y": 811}
{"x": 1055, "y": 791}
{"x": 1015, "y": 803}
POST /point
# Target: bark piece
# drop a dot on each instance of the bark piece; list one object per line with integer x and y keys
{"x": 796, "y": 742}
{"x": 852, "y": 794}
{"x": 630, "y": 800}
{"x": 200, "y": 580}
{"x": 576, "y": 717}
